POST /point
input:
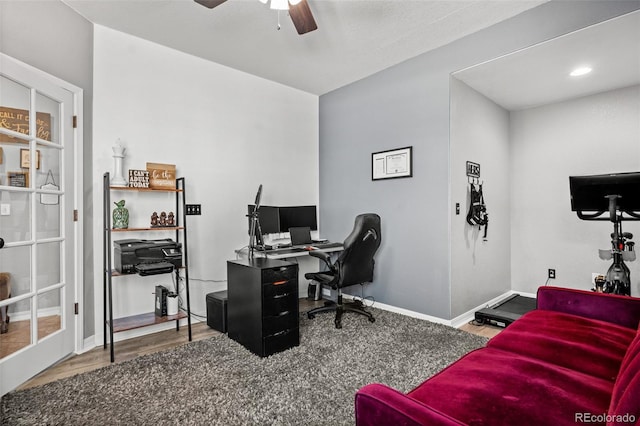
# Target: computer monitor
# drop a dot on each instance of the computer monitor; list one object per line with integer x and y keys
{"x": 298, "y": 216}
{"x": 589, "y": 193}
{"x": 268, "y": 217}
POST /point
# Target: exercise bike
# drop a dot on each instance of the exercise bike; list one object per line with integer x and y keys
{"x": 619, "y": 196}
{"x": 618, "y": 277}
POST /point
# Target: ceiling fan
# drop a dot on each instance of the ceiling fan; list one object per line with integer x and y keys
{"x": 298, "y": 10}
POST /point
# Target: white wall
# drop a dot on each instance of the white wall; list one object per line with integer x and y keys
{"x": 590, "y": 135}
{"x": 480, "y": 270}
{"x": 226, "y": 132}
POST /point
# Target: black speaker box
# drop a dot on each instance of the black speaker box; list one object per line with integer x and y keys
{"x": 161, "y": 300}
{"x": 217, "y": 310}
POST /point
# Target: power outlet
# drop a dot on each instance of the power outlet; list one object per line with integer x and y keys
{"x": 5, "y": 209}
{"x": 552, "y": 274}
{"x": 193, "y": 210}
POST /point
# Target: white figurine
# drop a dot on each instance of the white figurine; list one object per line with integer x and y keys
{"x": 118, "y": 155}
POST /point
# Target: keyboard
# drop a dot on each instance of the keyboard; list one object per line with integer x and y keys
{"x": 287, "y": 250}
{"x": 327, "y": 245}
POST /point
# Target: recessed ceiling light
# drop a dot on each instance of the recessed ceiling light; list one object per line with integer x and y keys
{"x": 580, "y": 71}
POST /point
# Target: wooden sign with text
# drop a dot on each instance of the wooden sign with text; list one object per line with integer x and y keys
{"x": 18, "y": 121}
{"x": 162, "y": 176}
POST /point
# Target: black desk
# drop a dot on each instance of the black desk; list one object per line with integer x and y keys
{"x": 289, "y": 252}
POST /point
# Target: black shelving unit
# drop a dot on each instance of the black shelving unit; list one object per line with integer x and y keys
{"x": 115, "y": 325}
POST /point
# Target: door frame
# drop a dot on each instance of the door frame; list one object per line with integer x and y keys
{"x": 77, "y": 168}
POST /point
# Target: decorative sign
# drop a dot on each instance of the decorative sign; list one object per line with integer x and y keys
{"x": 138, "y": 179}
{"x": 18, "y": 121}
{"x": 162, "y": 176}
{"x": 396, "y": 163}
{"x": 20, "y": 179}
{"x": 473, "y": 169}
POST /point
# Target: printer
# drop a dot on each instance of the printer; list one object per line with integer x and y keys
{"x": 133, "y": 252}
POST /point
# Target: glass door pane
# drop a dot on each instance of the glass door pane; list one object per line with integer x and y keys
{"x": 15, "y": 328}
{"x": 14, "y": 206}
{"x": 49, "y": 313}
{"x": 16, "y": 262}
{"x": 48, "y": 255}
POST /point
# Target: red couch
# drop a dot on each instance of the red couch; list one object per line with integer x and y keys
{"x": 573, "y": 360}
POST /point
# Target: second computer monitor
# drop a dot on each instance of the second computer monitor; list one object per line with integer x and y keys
{"x": 298, "y": 216}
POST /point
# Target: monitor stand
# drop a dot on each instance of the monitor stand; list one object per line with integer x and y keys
{"x": 506, "y": 311}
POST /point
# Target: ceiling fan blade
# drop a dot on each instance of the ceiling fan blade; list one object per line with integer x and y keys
{"x": 302, "y": 17}
{"x": 210, "y": 3}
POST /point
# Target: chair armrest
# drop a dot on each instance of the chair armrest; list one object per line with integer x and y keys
{"x": 378, "y": 404}
{"x": 322, "y": 256}
{"x": 613, "y": 308}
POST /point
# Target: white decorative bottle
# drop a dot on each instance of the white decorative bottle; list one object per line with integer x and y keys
{"x": 118, "y": 156}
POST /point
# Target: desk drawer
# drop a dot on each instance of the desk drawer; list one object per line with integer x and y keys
{"x": 280, "y": 341}
{"x": 274, "y": 291}
{"x": 276, "y": 324}
{"x": 277, "y": 306}
{"x": 284, "y": 273}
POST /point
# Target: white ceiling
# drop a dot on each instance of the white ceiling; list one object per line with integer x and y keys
{"x": 540, "y": 74}
{"x": 355, "y": 38}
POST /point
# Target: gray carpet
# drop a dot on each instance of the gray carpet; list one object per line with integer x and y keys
{"x": 218, "y": 382}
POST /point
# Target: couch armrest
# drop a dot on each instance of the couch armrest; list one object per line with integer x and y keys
{"x": 613, "y": 308}
{"x": 378, "y": 404}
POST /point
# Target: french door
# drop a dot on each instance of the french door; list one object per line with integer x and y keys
{"x": 38, "y": 234}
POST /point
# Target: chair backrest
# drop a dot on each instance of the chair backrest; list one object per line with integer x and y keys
{"x": 355, "y": 263}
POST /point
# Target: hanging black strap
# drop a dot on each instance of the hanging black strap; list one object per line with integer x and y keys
{"x": 477, "y": 214}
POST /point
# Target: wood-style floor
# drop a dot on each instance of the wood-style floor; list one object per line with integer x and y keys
{"x": 131, "y": 348}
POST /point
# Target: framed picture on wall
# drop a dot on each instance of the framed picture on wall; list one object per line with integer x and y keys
{"x": 395, "y": 163}
{"x": 25, "y": 159}
{"x": 19, "y": 179}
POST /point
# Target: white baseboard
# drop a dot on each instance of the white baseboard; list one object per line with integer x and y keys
{"x": 456, "y": 322}
{"x": 87, "y": 344}
{"x": 26, "y": 315}
{"x": 403, "y": 311}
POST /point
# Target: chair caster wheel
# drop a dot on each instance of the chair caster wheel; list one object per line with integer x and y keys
{"x": 311, "y": 316}
{"x": 372, "y": 319}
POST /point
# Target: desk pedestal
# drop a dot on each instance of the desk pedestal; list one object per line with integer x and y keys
{"x": 262, "y": 304}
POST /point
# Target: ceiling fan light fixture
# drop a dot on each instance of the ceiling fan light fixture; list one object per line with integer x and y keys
{"x": 280, "y": 4}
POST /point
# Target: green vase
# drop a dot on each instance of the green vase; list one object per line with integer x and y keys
{"x": 120, "y": 216}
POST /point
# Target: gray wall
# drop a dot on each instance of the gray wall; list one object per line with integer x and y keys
{"x": 408, "y": 104}
{"x": 53, "y": 38}
{"x": 479, "y": 133}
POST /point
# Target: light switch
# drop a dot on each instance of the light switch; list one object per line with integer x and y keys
{"x": 5, "y": 209}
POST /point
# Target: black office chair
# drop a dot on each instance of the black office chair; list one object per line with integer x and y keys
{"x": 353, "y": 266}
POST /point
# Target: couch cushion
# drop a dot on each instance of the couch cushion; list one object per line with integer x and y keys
{"x": 493, "y": 387}
{"x": 586, "y": 345}
{"x": 625, "y": 399}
